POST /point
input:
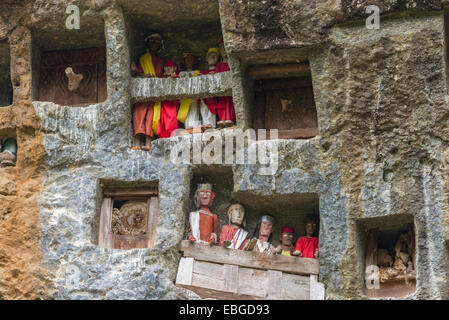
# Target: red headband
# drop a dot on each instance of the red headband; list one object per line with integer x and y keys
{"x": 170, "y": 63}
{"x": 288, "y": 230}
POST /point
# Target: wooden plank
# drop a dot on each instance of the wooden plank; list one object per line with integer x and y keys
{"x": 105, "y": 240}
{"x": 272, "y": 70}
{"x": 231, "y": 278}
{"x": 302, "y": 133}
{"x": 253, "y": 282}
{"x": 285, "y": 83}
{"x": 371, "y": 248}
{"x": 295, "y": 287}
{"x": 130, "y": 192}
{"x": 185, "y": 272}
{"x": 274, "y": 288}
{"x": 153, "y": 215}
{"x": 208, "y": 282}
{"x": 216, "y": 254}
{"x": 209, "y": 269}
{"x": 126, "y": 242}
{"x": 317, "y": 291}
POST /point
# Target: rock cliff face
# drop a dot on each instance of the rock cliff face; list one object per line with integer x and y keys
{"x": 382, "y": 152}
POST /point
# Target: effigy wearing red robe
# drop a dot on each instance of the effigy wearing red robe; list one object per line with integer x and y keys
{"x": 227, "y": 234}
{"x": 143, "y": 111}
{"x": 225, "y": 105}
{"x": 168, "y": 121}
{"x": 208, "y": 225}
{"x": 307, "y": 246}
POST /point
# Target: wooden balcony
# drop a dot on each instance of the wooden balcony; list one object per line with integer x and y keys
{"x": 220, "y": 273}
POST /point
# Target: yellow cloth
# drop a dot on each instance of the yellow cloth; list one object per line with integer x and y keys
{"x": 185, "y": 106}
{"x": 156, "y": 116}
{"x": 286, "y": 253}
{"x": 146, "y": 61}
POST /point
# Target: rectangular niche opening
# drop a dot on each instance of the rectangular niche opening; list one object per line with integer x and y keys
{"x": 284, "y": 100}
{"x": 289, "y": 210}
{"x": 8, "y": 148}
{"x": 219, "y": 273}
{"x": 190, "y": 27}
{"x": 128, "y": 217}
{"x": 388, "y": 244}
{"x": 83, "y": 50}
{"x": 6, "y": 91}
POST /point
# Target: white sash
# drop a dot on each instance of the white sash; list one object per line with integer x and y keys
{"x": 238, "y": 239}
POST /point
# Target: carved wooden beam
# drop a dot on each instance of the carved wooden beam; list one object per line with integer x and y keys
{"x": 216, "y": 254}
{"x": 277, "y": 70}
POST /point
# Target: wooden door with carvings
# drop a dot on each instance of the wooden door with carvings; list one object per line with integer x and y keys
{"x": 288, "y": 105}
{"x": 54, "y": 84}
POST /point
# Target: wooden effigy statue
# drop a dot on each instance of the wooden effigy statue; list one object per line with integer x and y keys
{"x": 225, "y": 105}
{"x": 287, "y": 239}
{"x": 233, "y": 236}
{"x": 208, "y": 106}
{"x": 307, "y": 246}
{"x": 145, "y": 113}
{"x": 169, "y": 109}
{"x": 203, "y": 224}
{"x": 261, "y": 239}
{"x": 8, "y": 152}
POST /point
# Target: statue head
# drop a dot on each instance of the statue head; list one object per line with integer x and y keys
{"x": 287, "y": 236}
{"x": 264, "y": 228}
{"x": 189, "y": 60}
{"x": 169, "y": 67}
{"x": 223, "y": 53}
{"x": 311, "y": 226}
{"x": 236, "y": 214}
{"x": 154, "y": 43}
{"x": 204, "y": 195}
{"x": 212, "y": 56}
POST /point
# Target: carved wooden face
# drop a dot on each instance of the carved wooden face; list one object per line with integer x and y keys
{"x": 212, "y": 58}
{"x": 169, "y": 70}
{"x": 287, "y": 239}
{"x": 189, "y": 61}
{"x": 237, "y": 215}
{"x": 154, "y": 44}
{"x": 206, "y": 197}
{"x": 266, "y": 228}
{"x": 311, "y": 227}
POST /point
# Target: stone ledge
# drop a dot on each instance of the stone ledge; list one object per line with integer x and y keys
{"x": 157, "y": 89}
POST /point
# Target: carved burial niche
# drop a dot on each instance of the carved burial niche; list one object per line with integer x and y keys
{"x": 8, "y": 148}
{"x": 75, "y": 77}
{"x": 128, "y": 218}
{"x": 390, "y": 257}
{"x": 6, "y": 92}
{"x": 284, "y": 100}
{"x": 69, "y": 65}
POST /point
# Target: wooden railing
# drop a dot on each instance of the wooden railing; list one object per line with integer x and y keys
{"x": 256, "y": 260}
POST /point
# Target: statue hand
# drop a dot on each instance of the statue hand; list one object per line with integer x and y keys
{"x": 226, "y": 243}
{"x": 133, "y": 67}
{"x": 316, "y": 254}
{"x": 297, "y": 253}
{"x": 191, "y": 238}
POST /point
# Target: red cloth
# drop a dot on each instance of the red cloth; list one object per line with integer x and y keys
{"x": 227, "y": 234}
{"x": 208, "y": 225}
{"x": 158, "y": 64}
{"x": 225, "y": 105}
{"x": 168, "y": 121}
{"x": 308, "y": 246}
{"x": 288, "y": 230}
{"x": 143, "y": 118}
{"x": 210, "y": 102}
{"x": 143, "y": 111}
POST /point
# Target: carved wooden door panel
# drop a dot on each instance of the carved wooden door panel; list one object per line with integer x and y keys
{"x": 90, "y": 63}
{"x": 289, "y": 104}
